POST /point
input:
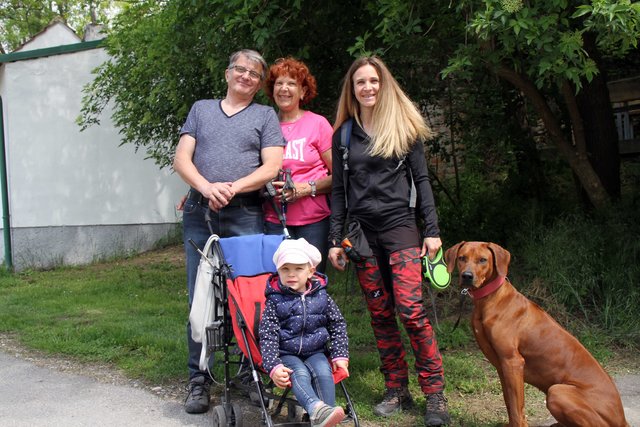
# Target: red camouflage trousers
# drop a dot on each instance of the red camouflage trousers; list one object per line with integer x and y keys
{"x": 405, "y": 297}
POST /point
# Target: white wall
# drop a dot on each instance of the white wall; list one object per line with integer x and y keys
{"x": 55, "y": 34}
{"x": 78, "y": 178}
{"x": 75, "y": 193}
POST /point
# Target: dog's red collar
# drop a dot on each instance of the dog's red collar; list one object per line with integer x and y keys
{"x": 487, "y": 289}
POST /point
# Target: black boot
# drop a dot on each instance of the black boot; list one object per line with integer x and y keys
{"x": 437, "y": 413}
{"x": 197, "y": 401}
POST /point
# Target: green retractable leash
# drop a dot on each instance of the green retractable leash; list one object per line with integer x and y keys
{"x": 435, "y": 272}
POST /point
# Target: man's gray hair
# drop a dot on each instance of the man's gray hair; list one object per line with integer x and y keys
{"x": 252, "y": 56}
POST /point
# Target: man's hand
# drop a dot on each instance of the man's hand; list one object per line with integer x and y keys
{"x": 180, "y": 205}
{"x": 219, "y": 194}
{"x": 278, "y": 187}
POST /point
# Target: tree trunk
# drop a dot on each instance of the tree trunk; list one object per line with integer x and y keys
{"x": 576, "y": 157}
{"x": 601, "y": 136}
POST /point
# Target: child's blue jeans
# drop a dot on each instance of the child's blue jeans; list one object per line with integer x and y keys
{"x": 311, "y": 380}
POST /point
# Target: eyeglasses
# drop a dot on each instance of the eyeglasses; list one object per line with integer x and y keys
{"x": 241, "y": 70}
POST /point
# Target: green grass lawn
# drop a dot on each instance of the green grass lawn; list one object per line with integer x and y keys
{"x": 131, "y": 314}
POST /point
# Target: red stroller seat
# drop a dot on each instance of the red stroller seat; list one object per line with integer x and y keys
{"x": 244, "y": 265}
{"x": 247, "y": 304}
{"x": 246, "y": 283}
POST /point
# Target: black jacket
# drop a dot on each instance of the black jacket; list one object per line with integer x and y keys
{"x": 379, "y": 189}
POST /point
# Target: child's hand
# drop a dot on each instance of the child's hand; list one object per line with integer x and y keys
{"x": 341, "y": 364}
{"x": 281, "y": 377}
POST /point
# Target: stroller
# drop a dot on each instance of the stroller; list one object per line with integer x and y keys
{"x": 237, "y": 269}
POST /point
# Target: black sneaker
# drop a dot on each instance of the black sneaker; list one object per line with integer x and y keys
{"x": 394, "y": 401}
{"x": 437, "y": 413}
{"x": 197, "y": 401}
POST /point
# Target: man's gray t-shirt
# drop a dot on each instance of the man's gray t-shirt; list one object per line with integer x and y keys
{"x": 228, "y": 147}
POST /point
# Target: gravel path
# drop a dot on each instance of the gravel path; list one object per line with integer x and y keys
{"x": 42, "y": 391}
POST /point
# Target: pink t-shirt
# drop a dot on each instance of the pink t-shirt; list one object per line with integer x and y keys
{"x": 307, "y": 138}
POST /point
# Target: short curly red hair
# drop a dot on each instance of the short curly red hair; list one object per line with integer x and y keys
{"x": 296, "y": 70}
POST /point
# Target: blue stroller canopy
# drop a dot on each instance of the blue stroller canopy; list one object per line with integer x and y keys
{"x": 250, "y": 255}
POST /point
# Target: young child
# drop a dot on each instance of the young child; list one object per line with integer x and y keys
{"x": 299, "y": 319}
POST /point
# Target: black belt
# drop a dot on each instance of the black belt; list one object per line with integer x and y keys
{"x": 244, "y": 199}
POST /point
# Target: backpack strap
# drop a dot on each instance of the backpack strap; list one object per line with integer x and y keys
{"x": 345, "y": 143}
{"x": 413, "y": 195}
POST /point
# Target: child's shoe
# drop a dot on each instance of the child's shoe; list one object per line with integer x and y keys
{"x": 326, "y": 416}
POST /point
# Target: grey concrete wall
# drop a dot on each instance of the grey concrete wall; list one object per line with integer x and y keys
{"x": 48, "y": 247}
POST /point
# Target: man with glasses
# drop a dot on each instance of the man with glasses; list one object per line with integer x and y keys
{"x": 228, "y": 150}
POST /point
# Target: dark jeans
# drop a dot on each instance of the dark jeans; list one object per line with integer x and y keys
{"x": 230, "y": 221}
{"x": 315, "y": 233}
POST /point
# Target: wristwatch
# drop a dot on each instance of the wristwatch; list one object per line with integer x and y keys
{"x": 312, "y": 184}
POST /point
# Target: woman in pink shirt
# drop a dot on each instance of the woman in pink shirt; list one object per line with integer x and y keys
{"x": 307, "y": 156}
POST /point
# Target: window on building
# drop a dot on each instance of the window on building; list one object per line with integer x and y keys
{"x": 627, "y": 115}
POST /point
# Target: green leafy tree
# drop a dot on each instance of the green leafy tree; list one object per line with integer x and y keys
{"x": 22, "y": 19}
{"x": 166, "y": 55}
{"x": 551, "y": 51}
{"x": 416, "y": 39}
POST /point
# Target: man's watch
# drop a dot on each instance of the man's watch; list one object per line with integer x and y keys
{"x": 312, "y": 184}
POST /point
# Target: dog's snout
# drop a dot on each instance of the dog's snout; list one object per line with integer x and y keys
{"x": 467, "y": 277}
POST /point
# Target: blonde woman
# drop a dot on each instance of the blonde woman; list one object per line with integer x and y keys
{"x": 386, "y": 153}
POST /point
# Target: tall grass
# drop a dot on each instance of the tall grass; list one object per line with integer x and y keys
{"x": 589, "y": 265}
{"x": 583, "y": 266}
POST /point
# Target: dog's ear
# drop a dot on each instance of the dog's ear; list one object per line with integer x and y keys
{"x": 501, "y": 257}
{"x": 451, "y": 254}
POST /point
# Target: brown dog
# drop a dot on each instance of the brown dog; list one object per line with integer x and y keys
{"x": 526, "y": 345}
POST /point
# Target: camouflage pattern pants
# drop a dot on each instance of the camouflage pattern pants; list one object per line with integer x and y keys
{"x": 402, "y": 292}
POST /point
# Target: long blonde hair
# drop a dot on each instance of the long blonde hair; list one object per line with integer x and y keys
{"x": 397, "y": 122}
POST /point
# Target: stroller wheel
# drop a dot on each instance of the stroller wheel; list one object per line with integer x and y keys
{"x": 236, "y": 416}
{"x": 219, "y": 416}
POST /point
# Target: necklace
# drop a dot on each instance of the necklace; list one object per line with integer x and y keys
{"x": 289, "y": 125}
